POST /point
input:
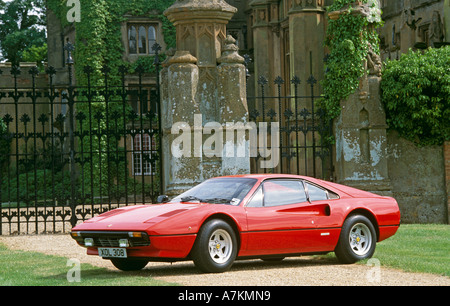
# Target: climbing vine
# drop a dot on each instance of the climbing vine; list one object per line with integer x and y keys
{"x": 99, "y": 44}
{"x": 349, "y": 38}
{"x": 99, "y": 38}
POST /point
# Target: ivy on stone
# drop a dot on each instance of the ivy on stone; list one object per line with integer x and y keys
{"x": 348, "y": 40}
{"x": 99, "y": 43}
{"x": 98, "y": 36}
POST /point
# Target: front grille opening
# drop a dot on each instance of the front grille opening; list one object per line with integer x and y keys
{"x": 111, "y": 239}
{"x": 114, "y": 242}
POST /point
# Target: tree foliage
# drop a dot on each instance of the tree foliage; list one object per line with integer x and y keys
{"x": 416, "y": 95}
{"x": 21, "y": 29}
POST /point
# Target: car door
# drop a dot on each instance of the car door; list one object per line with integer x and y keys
{"x": 325, "y": 217}
{"x": 279, "y": 218}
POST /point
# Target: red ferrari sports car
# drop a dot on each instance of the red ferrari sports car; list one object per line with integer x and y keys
{"x": 268, "y": 216}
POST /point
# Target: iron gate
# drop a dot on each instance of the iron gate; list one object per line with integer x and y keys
{"x": 70, "y": 152}
{"x": 302, "y": 130}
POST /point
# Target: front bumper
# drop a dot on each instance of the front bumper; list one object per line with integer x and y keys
{"x": 110, "y": 239}
{"x": 158, "y": 246}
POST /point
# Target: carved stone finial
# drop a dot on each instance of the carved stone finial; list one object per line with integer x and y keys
{"x": 183, "y": 9}
{"x": 230, "y": 53}
{"x": 201, "y": 27}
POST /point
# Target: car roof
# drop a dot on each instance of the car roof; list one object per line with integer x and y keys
{"x": 261, "y": 176}
{"x": 336, "y": 188}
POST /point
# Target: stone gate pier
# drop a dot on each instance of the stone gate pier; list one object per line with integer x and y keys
{"x": 204, "y": 103}
{"x": 361, "y": 130}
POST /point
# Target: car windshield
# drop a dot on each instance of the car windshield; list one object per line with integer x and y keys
{"x": 218, "y": 191}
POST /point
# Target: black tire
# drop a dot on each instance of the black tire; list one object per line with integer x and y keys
{"x": 272, "y": 259}
{"x": 127, "y": 264}
{"x": 215, "y": 248}
{"x": 357, "y": 240}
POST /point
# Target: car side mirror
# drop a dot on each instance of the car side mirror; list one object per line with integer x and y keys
{"x": 162, "y": 199}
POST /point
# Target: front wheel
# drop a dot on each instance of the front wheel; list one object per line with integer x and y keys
{"x": 215, "y": 248}
{"x": 357, "y": 240}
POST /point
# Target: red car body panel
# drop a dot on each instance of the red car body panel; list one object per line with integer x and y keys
{"x": 281, "y": 230}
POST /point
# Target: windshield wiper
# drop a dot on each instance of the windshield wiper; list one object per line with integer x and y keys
{"x": 217, "y": 200}
{"x": 190, "y": 198}
{"x": 212, "y": 200}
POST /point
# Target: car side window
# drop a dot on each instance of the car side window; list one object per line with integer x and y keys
{"x": 257, "y": 199}
{"x": 283, "y": 192}
{"x": 316, "y": 193}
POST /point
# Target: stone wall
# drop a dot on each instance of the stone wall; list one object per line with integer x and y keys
{"x": 372, "y": 158}
{"x": 447, "y": 175}
{"x": 418, "y": 180}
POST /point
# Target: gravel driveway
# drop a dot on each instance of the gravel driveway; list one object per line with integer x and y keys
{"x": 296, "y": 271}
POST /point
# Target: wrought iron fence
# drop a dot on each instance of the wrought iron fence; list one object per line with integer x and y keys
{"x": 303, "y": 131}
{"x": 71, "y": 152}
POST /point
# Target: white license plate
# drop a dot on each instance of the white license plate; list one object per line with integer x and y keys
{"x": 112, "y": 252}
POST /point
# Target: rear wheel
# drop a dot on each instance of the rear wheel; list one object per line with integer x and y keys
{"x": 215, "y": 248}
{"x": 357, "y": 240}
{"x": 127, "y": 264}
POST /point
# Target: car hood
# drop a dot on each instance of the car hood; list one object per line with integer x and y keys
{"x": 138, "y": 217}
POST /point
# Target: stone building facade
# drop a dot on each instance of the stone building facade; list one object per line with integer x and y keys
{"x": 285, "y": 37}
{"x": 415, "y": 24}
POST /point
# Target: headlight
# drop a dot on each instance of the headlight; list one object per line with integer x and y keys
{"x": 123, "y": 243}
{"x": 89, "y": 242}
{"x": 135, "y": 234}
{"x": 77, "y": 237}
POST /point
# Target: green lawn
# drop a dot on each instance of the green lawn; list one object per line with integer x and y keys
{"x": 19, "y": 268}
{"x": 414, "y": 248}
{"x": 417, "y": 248}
